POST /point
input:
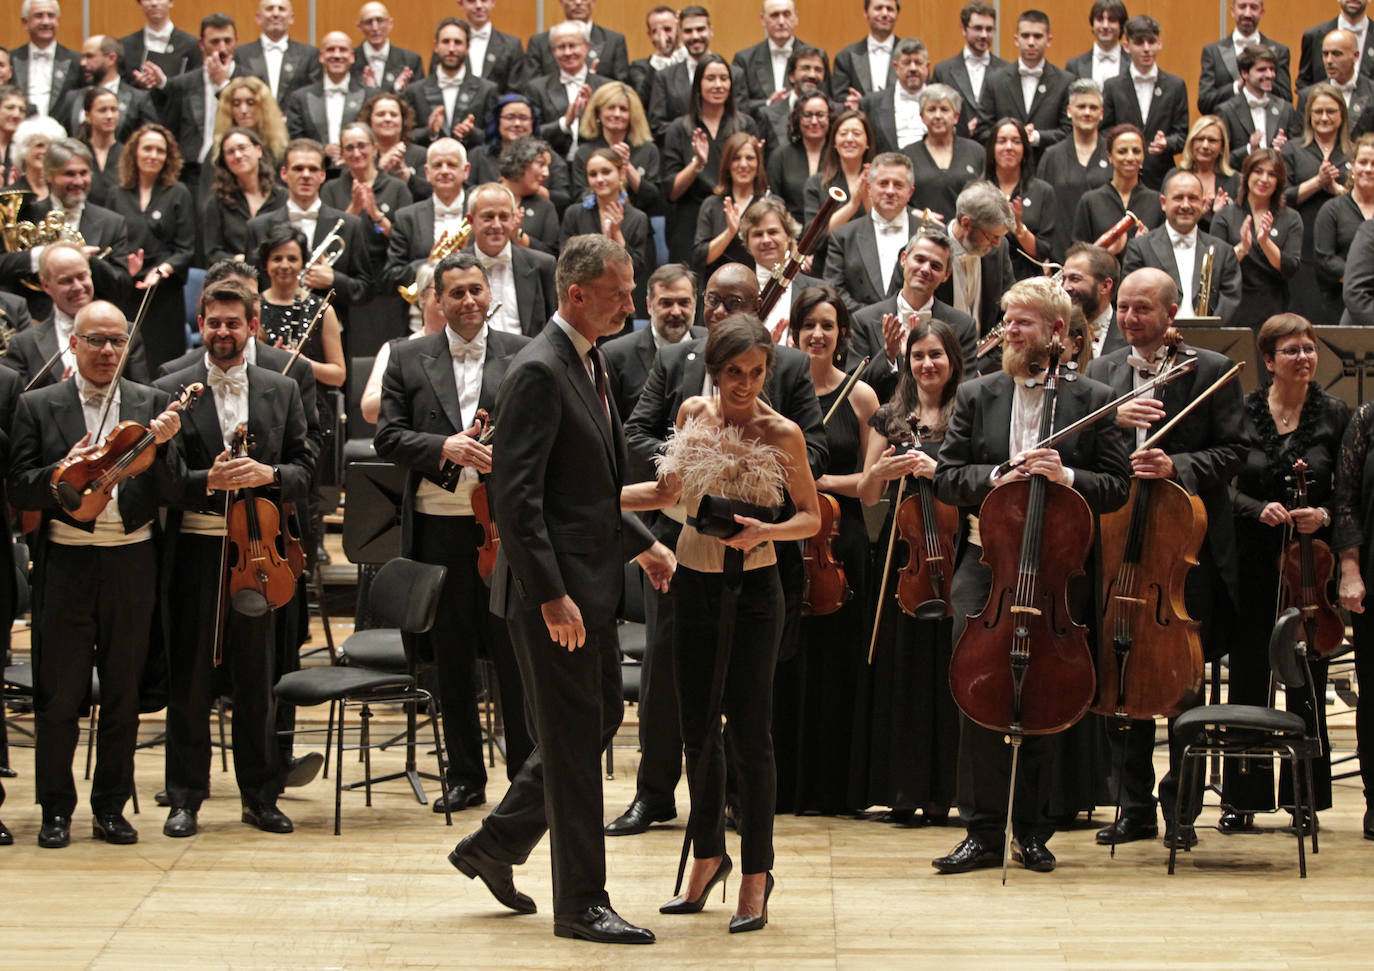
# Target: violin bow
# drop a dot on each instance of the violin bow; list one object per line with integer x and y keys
{"x": 1150, "y": 442}
{"x": 309, "y": 329}
{"x": 124, "y": 358}
{"x": 844, "y": 392}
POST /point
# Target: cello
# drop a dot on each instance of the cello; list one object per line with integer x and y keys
{"x": 1022, "y": 665}
{"x": 1305, "y": 570}
{"x": 260, "y": 576}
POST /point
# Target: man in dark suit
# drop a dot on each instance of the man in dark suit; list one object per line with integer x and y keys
{"x": 378, "y": 63}
{"x": 879, "y": 332}
{"x": 1340, "y": 55}
{"x": 43, "y": 68}
{"x": 678, "y": 373}
{"x": 807, "y": 73}
{"x": 981, "y": 435}
{"x": 285, "y": 64}
{"x": 431, "y": 392}
{"x": 1357, "y": 290}
{"x": 1179, "y": 247}
{"x": 559, "y": 480}
{"x": 1257, "y": 102}
{"x": 417, "y": 227}
{"x": 452, "y": 102}
{"x": 1221, "y": 76}
{"x": 101, "y": 63}
{"x": 1106, "y": 59}
{"x": 865, "y": 253}
{"x": 10, "y": 387}
{"x": 661, "y": 23}
{"x": 492, "y": 55}
{"x": 1154, "y": 101}
{"x": 969, "y": 71}
{"x": 1201, "y": 453}
{"x": 317, "y": 111}
{"x": 895, "y": 111}
{"x": 764, "y": 64}
{"x": 14, "y": 313}
{"x": 522, "y": 278}
{"x": 278, "y": 466}
{"x": 560, "y": 96}
{"x": 868, "y": 65}
{"x": 607, "y": 54}
{"x": 1032, "y": 90}
{"x": 94, "y": 591}
{"x": 980, "y": 259}
{"x": 672, "y": 85}
{"x": 173, "y": 48}
{"x": 1352, "y": 18}
{"x": 1090, "y": 275}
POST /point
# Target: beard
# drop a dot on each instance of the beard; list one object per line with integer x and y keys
{"x": 1086, "y": 302}
{"x": 1017, "y": 361}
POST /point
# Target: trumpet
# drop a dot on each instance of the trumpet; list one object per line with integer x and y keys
{"x": 326, "y": 254}
{"x": 445, "y": 245}
{"x": 1204, "y": 284}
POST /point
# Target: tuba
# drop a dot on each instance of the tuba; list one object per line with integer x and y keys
{"x": 445, "y": 245}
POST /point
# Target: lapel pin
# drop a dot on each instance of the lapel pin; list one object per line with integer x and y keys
{"x": 1041, "y": 89}
{"x": 692, "y": 355}
{"x": 968, "y": 169}
{"x": 1102, "y": 163}
{"x": 1158, "y": 91}
{"x": 156, "y": 214}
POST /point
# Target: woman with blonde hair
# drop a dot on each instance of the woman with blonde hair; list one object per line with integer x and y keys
{"x": 614, "y": 118}
{"x": 1206, "y": 154}
{"x": 1318, "y": 169}
{"x": 248, "y": 103}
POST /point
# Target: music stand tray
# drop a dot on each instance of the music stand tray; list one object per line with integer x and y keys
{"x": 1345, "y": 362}
{"x": 1237, "y": 343}
{"x": 372, "y": 511}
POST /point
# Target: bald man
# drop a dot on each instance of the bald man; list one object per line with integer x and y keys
{"x": 378, "y": 63}
{"x": 285, "y": 64}
{"x": 318, "y": 110}
{"x": 1340, "y": 60}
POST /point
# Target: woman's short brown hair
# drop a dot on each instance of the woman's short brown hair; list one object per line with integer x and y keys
{"x": 1279, "y": 326}
{"x": 735, "y": 335}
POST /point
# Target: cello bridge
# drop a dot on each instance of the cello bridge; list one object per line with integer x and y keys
{"x": 1033, "y": 611}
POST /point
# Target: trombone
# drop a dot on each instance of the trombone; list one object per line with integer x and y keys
{"x": 445, "y": 245}
{"x": 326, "y": 254}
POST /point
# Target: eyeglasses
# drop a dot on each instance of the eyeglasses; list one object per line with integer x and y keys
{"x": 731, "y": 304}
{"x": 1303, "y": 349}
{"x": 517, "y": 116}
{"x": 356, "y": 147}
{"x": 815, "y": 115}
{"x": 98, "y": 341}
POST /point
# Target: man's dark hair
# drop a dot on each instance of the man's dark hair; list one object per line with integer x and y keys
{"x": 461, "y": 260}
{"x": 1141, "y": 27}
{"x": 1252, "y": 54}
{"x": 217, "y": 21}
{"x": 1034, "y": 17}
{"x": 695, "y": 10}
{"x": 1101, "y": 264}
{"x": 458, "y": 22}
{"x": 1111, "y": 9}
{"x": 668, "y": 274}
{"x": 975, "y": 7}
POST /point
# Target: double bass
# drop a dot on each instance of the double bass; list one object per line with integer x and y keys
{"x": 1305, "y": 572}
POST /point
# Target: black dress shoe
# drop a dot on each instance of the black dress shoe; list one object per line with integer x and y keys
{"x": 1127, "y": 829}
{"x": 1033, "y": 854}
{"x": 740, "y": 923}
{"x": 162, "y": 798}
{"x": 639, "y": 817}
{"x": 471, "y": 861}
{"x": 1185, "y": 836}
{"x": 1232, "y": 822}
{"x": 302, "y": 771}
{"x": 7, "y": 838}
{"x": 971, "y": 854}
{"x": 56, "y": 832}
{"x": 7, "y": 773}
{"x": 460, "y": 797}
{"x": 269, "y": 819}
{"x": 180, "y": 822}
{"x": 113, "y": 828}
{"x": 1369, "y": 824}
{"x": 602, "y": 925}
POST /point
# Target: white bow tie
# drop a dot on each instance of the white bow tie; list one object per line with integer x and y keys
{"x": 875, "y": 48}
{"x": 43, "y": 54}
{"x": 1257, "y": 103}
{"x": 1028, "y": 72}
{"x": 920, "y": 316}
{"x": 888, "y": 226}
{"x": 442, "y": 211}
{"x": 294, "y": 213}
{"x": 567, "y": 79}
{"x": 340, "y": 88}
{"x": 93, "y": 398}
{"x": 502, "y": 257}
{"x": 983, "y": 59}
{"x": 278, "y": 46}
{"x": 482, "y": 34}
{"x": 1150, "y": 78}
{"x": 1182, "y": 242}
{"x": 234, "y": 380}
{"x": 446, "y": 82}
{"x": 1147, "y": 368}
{"x": 467, "y": 350}
{"x": 1107, "y": 55}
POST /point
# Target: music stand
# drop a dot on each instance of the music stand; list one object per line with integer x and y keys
{"x": 1237, "y": 343}
{"x": 372, "y": 512}
{"x": 1346, "y": 362}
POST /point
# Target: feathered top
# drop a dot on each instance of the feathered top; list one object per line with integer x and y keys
{"x": 720, "y": 461}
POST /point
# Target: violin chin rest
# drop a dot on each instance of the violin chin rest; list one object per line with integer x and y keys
{"x": 250, "y": 603}
{"x": 68, "y": 495}
{"x": 932, "y": 610}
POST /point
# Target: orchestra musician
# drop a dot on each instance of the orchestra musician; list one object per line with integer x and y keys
{"x": 93, "y": 602}
{"x": 431, "y": 392}
{"x": 280, "y": 463}
{"x": 1094, "y": 464}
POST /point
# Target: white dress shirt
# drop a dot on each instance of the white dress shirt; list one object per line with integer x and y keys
{"x": 158, "y": 42}
{"x": 977, "y": 67}
{"x": 210, "y": 95}
{"x": 448, "y": 89}
{"x": 272, "y": 52}
{"x": 1144, "y": 369}
{"x": 780, "y": 56}
{"x": 892, "y": 236}
{"x": 447, "y": 219}
{"x": 572, "y": 86}
{"x": 1106, "y": 64}
{"x": 1144, "y": 92}
{"x": 501, "y": 279}
{"x": 1101, "y": 326}
{"x": 41, "y": 62}
{"x": 1030, "y": 80}
{"x": 334, "y": 97}
{"x": 1259, "y": 117}
{"x": 469, "y": 357}
{"x": 1185, "y": 255}
{"x": 63, "y": 326}
{"x": 230, "y": 391}
{"x": 908, "y": 316}
{"x": 906, "y": 111}
{"x": 375, "y": 58}
{"x": 477, "y": 48}
{"x": 305, "y": 220}
{"x": 879, "y": 61}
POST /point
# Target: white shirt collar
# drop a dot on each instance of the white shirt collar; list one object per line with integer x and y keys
{"x": 579, "y": 343}
{"x": 880, "y": 45}
{"x": 340, "y": 87}
{"x": 579, "y": 78}
{"x": 1240, "y": 40}
{"x": 480, "y": 33}
{"x": 35, "y": 49}
{"x": 162, "y": 36}
{"x": 312, "y": 212}
{"x": 774, "y": 49}
{"x": 1139, "y": 78}
{"x": 370, "y": 52}
{"x": 1356, "y": 26}
{"x": 971, "y": 58}
{"x": 275, "y": 45}
{"x": 1176, "y": 237}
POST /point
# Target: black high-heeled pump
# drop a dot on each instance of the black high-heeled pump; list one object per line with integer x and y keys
{"x": 738, "y": 924}
{"x": 681, "y": 905}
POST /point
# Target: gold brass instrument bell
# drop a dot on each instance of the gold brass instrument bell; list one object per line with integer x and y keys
{"x": 20, "y": 234}
{"x": 446, "y": 245}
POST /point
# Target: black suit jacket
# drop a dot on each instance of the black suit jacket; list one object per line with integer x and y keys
{"x": 607, "y": 57}
{"x": 954, "y": 72}
{"x": 504, "y": 63}
{"x": 306, "y": 116}
{"x": 397, "y": 60}
{"x": 866, "y": 340}
{"x": 851, "y": 70}
{"x": 1310, "y": 69}
{"x": 135, "y": 109}
{"x": 1217, "y": 83}
{"x": 184, "y": 55}
{"x": 32, "y": 347}
{"x": 851, "y": 266}
{"x": 1082, "y": 65}
{"x": 352, "y": 273}
{"x": 1280, "y": 115}
{"x": 10, "y": 387}
{"x": 14, "y": 312}
{"x": 300, "y": 65}
{"x": 756, "y": 64}
{"x": 1358, "y": 288}
{"x": 1154, "y": 249}
{"x": 1168, "y": 113}
{"x": 101, "y": 228}
{"x": 551, "y": 102}
{"x": 66, "y": 72}
{"x": 476, "y": 97}
{"x": 882, "y": 115}
{"x": 558, "y": 482}
{"x": 629, "y": 359}
{"x": 1002, "y": 98}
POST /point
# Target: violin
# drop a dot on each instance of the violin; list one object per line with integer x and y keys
{"x": 825, "y": 588}
{"x": 928, "y": 527}
{"x": 260, "y": 578}
{"x": 481, "y": 507}
{"x": 291, "y": 533}
{"x": 1305, "y": 568}
{"x": 84, "y": 484}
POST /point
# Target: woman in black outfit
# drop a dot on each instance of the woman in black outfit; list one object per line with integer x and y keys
{"x": 162, "y": 218}
{"x": 1207, "y": 153}
{"x": 525, "y": 164}
{"x": 391, "y": 118}
{"x": 1101, "y": 208}
{"x": 742, "y": 180}
{"x": 692, "y": 147}
{"x": 1318, "y": 169}
{"x": 14, "y": 102}
{"x": 1337, "y": 222}
{"x": 906, "y": 727}
{"x": 515, "y": 117}
{"x": 830, "y": 655}
{"x": 1010, "y": 164}
{"x": 945, "y": 162}
{"x": 98, "y": 132}
{"x": 1291, "y": 419}
{"x": 244, "y": 185}
{"x": 363, "y": 190}
{"x": 606, "y": 209}
{"x": 1267, "y": 237}
{"x": 614, "y": 118}
{"x": 1075, "y": 165}
{"x": 808, "y": 137}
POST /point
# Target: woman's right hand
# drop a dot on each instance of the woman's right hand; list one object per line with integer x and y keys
{"x": 1275, "y": 514}
{"x": 701, "y": 148}
{"x": 731, "y": 216}
{"x": 893, "y": 466}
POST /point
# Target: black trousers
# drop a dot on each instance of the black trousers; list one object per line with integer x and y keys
{"x": 576, "y": 705}
{"x": 247, "y": 675}
{"x": 746, "y": 704}
{"x": 660, "y": 732}
{"x": 464, "y": 628}
{"x": 96, "y": 604}
{"x": 983, "y": 773}
{"x": 1363, "y": 630}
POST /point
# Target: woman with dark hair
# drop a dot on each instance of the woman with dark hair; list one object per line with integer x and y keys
{"x": 162, "y": 227}
{"x": 716, "y": 437}
{"x": 525, "y": 166}
{"x": 1075, "y": 165}
{"x": 906, "y": 727}
{"x": 1318, "y": 170}
{"x": 945, "y": 162}
{"x": 741, "y": 181}
{"x": 1207, "y": 153}
{"x": 515, "y": 117}
{"x": 363, "y": 190}
{"x": 244, "y": 186}
{"x": 1102, "y": 208}
{"x": 607, "y": 209}
{"x": 692, "y": 148}
{"x": 808, "y": 136}
{"x": 1010, "y": 163}
{"x": 391, "y": 118}
{"x": 829, "y": 655}
{"x": 1290, "y": 419}
{"x": 1267, "y": 236}
{"x": 1337, "y": 222}
{"x": 614, "y": 118}
{"x": 98, "y": 133}
{"x": 287, "y": 309}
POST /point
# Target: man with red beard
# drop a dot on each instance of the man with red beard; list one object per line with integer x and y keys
{"x": 997, "y": 417}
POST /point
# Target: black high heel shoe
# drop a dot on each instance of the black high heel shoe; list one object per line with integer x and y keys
{"x": 738, "y": 924}
{"x": 681, "y": 905}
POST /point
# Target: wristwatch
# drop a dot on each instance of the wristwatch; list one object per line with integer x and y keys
{"x": 1326, "y": 516}
{"x": 276, "y": 475}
